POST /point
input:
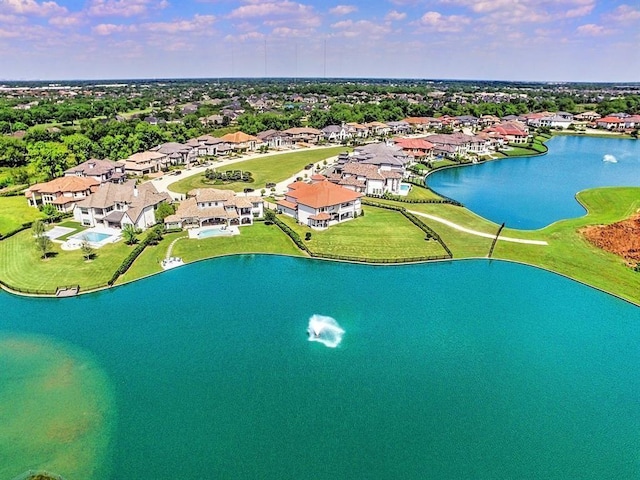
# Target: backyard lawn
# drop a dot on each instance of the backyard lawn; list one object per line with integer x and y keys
{"x": 379, "y": 235}
{"x": 22, "y": 267}
{"x": 257, "y": 238}
{"x": 267, "y": 169}
{"x": 14, "y": 211}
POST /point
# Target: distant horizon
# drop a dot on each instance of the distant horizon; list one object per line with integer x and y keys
{"x": 590, "y": 41}
{"x": 53, "y": 81}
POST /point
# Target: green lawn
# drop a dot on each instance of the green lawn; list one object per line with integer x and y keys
{"x": 22, "y": 267}
{"x": 381, "y": 234}
{"x": 257, "y": 238}
{"x": 269, "y": 168}
{"x": 570, "y": 254}
{"x": 14, "y": 211}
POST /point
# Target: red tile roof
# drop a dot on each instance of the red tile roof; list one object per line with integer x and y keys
{"x": 64, "y": 184}
{"x": 323, "y": 194}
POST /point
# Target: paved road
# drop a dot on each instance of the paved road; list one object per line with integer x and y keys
{"x": 475, "y": 232}
{"x": 163, "y": 184}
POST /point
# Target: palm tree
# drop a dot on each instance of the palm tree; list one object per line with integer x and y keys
{"x": 129, "y": 233}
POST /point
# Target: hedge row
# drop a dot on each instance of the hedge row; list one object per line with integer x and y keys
{"x": 17, "y": 230}
{"x": 292, "y": 234}
{"x": 135, "y": 253}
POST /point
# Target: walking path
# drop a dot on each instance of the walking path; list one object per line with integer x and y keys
{"x": 475, "y": 232}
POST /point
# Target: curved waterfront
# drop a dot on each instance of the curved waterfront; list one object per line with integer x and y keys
{"x": 470, "y": 369}
{"x": 533, "y": 192}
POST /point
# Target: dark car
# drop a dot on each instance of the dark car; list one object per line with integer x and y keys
{"x": 309, "y": 166}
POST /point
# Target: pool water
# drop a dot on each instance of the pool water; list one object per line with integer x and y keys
{"x": 214, "y": 232}
{"x": 93, "y": 237}
{"x": 405, "y": 188}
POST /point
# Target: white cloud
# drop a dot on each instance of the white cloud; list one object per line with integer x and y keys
{"x": 198, "y": 25}
{"x": 122, "y": 8}
{"x": 31, "y": 7}
{"x": 361, "y": 28}
{"x": 624, "y": 14}
{"x": 592, "y": 30}
{"x": 395, "y": 16}
{"x": 526, "y": 11}
{"x": 343, "y": 9}
{"x": 435, "y": 21}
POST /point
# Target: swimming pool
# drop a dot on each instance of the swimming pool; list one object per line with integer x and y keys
{"x": 405, "y": 188}
{"x": 95, "y": 237}
{"x": 214, "y": 232}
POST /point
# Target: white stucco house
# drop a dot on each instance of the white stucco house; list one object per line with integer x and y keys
{"x": 116, "y": 205}
{"x": 321, "y": 204}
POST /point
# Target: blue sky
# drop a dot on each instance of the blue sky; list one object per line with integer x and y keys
{"x": 548, "y": 40}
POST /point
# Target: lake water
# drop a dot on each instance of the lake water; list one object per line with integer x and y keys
{"x": 470, "y": 369}
{"x": 533, "y": 192}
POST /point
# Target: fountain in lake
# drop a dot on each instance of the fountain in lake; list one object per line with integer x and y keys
{"x": 325, "y": 330}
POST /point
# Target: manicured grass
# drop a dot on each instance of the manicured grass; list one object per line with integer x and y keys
{"x": 420, "y": 193}
{"x": 570, "y": 254}
{"x": 14, "y": 211}
{"x": 269, "y": 168}
{"x": 461, "y": 244}
{"x": 442, "y": 163}
{"x": 518, "y": 152}
{"x": 380, "y": 234}
{"x": 257, "y": 238}
{"x": 22, "y": 267}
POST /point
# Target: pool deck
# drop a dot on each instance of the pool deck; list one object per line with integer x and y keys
{"x": 195, "y": 232}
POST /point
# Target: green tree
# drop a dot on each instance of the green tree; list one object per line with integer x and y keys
{"x": 50, "y": 212}
{"x": 88, "y": 252}
{"x": 269, "y": 216}
{"x": 49, "y": 158}
{"x": 130, "y": 234}
{"x": 80, "y": 147}
{"x": 43, "y": 242}
{"x": 163, "y": 210}
{"x": 13, "y": 152}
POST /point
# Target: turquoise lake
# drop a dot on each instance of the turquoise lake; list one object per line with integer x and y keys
{"x": 533, "y": 192}
{"x": 469, "y": 369}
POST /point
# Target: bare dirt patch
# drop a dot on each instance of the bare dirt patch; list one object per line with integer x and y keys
{"x": 622, "y": 238}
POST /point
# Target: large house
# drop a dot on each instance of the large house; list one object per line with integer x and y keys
{"x": 418, "y": 148}
{"x": 210, "y": 206}
{"x": 509, "y": 132}
{"x": 63, "y": 192}
{"x": 144, "y": 163}
{"x": 367, "y": 178}
{"x": 455, "y": 144}
{"x": 116, "y": 205}
{"x": 241, "y": 142}
{"x": 100, "y": 170}
{"x": 385, "y": 156}
{"x": 177, "y": 153}
{"x": 320, "y": 204}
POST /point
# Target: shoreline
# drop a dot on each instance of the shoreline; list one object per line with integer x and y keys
{"x": 8, "y": 290}
{"x": 35, "y": 294}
